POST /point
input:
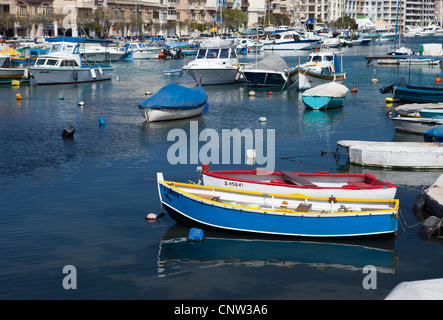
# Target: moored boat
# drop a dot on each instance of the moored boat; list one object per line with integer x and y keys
{"x": 415, "y": 125}
{"x": 290, "y": 40}
{"x": 320, "y": 67}
{"x": 325, "y": 96}
{"x": 214, "y": 64}
{"x": 286, "y": 215}
{"x": 317, "y": 184}
{"x": 174, "y": 102}
{"x": 63, "y": 64}
{"x": 271, "y": 71}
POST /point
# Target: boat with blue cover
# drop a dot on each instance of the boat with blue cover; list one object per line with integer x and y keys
{"x": 285, "y": 215}
{"x": 173, "y": 102}
{"x": 63, "y": 63}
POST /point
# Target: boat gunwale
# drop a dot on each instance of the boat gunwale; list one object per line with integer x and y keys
{"x": 281, "y": 212}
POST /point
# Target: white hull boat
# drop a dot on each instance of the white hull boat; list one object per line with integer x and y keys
{"x": 63, "y": 64}
{"x": 415, "y": 124}
{"x": 317, "y": 184}
{"x": 414, "y": 155}
{"x": 214, "y": 65}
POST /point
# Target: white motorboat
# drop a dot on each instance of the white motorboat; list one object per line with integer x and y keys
{"x": 141, "y": 51}
{"x": 214, "y": 64}
{"x": 291, "y": 40}
{"x": 100, "y": 54}
{"x": 63, "y": 64}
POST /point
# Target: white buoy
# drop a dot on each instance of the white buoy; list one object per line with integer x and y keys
{"x": 252, "y": 93}
{"x": 81, "y": 103}
{"x": 262, "y": 119}
{"x": 374, "y": 80}
{"x": 147, "y": 93}
{"x": 151, "y": 216}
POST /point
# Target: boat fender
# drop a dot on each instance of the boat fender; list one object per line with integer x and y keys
{"x": 93, "y": 74}
{"x": 75, "y": 75}
{"x": 195, "y": 234}
{"x": 100, "y": 71}
{"x": 237, "y": 76}
{"x": 26, "y": 73}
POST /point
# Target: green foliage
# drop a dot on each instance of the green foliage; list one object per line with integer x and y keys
{"x": 234, "y": 19}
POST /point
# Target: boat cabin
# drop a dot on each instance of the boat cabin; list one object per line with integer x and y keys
{"x": 61, "y": 54}
{"x": 320, "y": 58}
{"x": 216, "y": 53}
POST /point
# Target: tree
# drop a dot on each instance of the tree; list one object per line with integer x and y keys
{"x": 234, "y": 19}
{"x": 6, "y": 22}
{"x": 344, "y": 23}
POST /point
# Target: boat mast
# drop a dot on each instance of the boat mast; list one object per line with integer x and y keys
{"x": 396, "y": 26}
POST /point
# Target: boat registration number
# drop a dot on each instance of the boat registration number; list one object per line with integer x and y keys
{"x": 233, "y": 184}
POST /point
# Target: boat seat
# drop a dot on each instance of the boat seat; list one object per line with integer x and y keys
{"x": 296, "y": 179}
{"x": 303, "y": 207}
{"x": 206, "y": 196}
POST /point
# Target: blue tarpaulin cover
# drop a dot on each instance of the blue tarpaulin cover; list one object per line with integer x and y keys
{"x": 174, "y": 96}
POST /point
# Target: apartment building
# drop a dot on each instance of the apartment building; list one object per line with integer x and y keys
{"x": 129, "y": 17}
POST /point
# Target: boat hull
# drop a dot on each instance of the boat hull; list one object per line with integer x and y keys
{"x": 418, "y": 94}
{"x": 43, "y": 76}
{"x": 307, "y": 79}
{"x": 318, "y": 103}
{"x": 213, "y": 76}
{"x": 337, "y": 185}
{"x": 415, "y": 125}
{"x": 264, "y": 78}
{"x": 152, "y": 115}
{"x": 291, "y": 45}
{"x": 416, "y": 155}
{"x": 146, "y": 54}
{"x": 194, "y": 210}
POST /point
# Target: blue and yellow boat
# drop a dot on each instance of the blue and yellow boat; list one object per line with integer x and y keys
{"x": 285, "y": 215}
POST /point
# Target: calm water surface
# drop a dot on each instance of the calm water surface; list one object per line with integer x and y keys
{"x": 83, "y": 202}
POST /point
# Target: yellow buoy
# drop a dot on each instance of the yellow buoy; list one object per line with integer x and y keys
{"x": 18, "y": 96}
{"x": 15, "y": 83}
{"x": 389, "y": 100}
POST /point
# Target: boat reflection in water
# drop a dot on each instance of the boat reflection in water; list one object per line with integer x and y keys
{"x": 177, "y": 254}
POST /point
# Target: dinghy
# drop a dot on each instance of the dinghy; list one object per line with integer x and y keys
{"x": 286, "y": 215}
{"x": 318, "y": 184}
{"x": 325, "y": 96}
{"x": 174, "y": 102}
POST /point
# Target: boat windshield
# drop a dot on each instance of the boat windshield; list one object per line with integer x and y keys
{"x": 201, "y": 53}
{"x": 40, "y": 62}
{"x": 212, "y": 54}
{"x": 224, "y": 53}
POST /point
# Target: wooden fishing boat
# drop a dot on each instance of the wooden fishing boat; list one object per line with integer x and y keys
{"x": 325, "y": 96}
{"x": 174, "y": 102}
{"x": 287, "y": 215}
{"x": 317, "y": 184}
{"x": 321, "y": 67}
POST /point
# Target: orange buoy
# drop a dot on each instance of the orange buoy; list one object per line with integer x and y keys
{"x": 18, "y": 96}
{"x": 354, "y": 89}
{"x": 438, "y": 80}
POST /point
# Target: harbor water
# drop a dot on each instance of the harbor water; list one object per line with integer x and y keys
{"x": 83, "y": 202}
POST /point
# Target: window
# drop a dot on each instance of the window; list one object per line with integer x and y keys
{"x": 212, "y": 54}
{"x": 51, "y": 62}
{"x": 69, "y": 63}
{"x": 40, "y": 62}
{"x": 201, "y": 53}
{"x": 224, "y": 53}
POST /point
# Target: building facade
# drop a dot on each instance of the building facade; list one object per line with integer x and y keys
{"x": 34, "y": 18}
